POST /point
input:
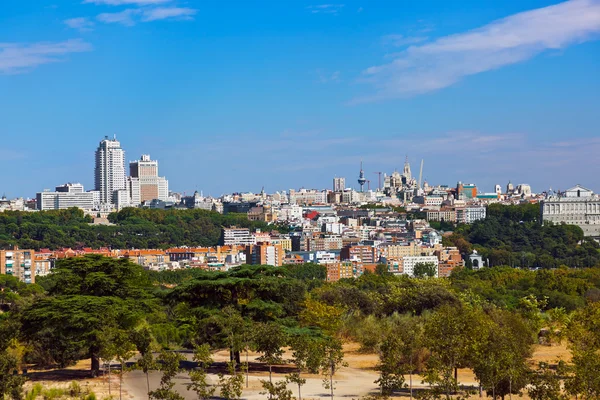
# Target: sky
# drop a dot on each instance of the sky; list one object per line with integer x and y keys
{"x": 240, "y": 95}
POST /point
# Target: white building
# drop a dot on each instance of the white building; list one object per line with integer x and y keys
{"x": 238, "y": 236}
{"x": 576, "y": 206}
{"x": 109, "y": 173}
{"x": 470, "y": 214}
{"x": 339, "y": 184}
{"x": 65, "y": 196}
{"x": 409, "y": 262}
{"x": 290, "y": 212}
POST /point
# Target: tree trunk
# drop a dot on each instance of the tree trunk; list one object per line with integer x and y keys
{"x": 510, "y": 388}
{"x": 247, "y": 367}
{"x": 109, "y": 388}
{"x": 299, "y": 392}
{"x": 411, "y": 391}
{"x": 121, "y": 382}
{"x": 95, "y": 369}
{"x": 148, "y": 383}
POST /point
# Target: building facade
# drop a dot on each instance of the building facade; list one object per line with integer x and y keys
{"x": 109, "y": 173}
{"x": 576, "y": 206}
{"x": 144, "y": 184}
{"x": 18, "y": 263}
{"x": 265, "y": 254}
{"x": 65, "y": 196}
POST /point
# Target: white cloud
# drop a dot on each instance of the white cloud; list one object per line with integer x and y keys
{"x": 325, "y": 77}
{"x": 326, "y": 8}
{"x": 82, "y": 24}
{"x": 519, "y": 37}
{"x": 160, "y": 13}
{"x": 125, "y": 17}
{"x": 18, "y": 58}
{"x": 127, "y": 2}
{"x": 131, "y": 16}
{"x": 401, "y": 40}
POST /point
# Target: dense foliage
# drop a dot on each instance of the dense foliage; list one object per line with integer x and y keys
{"x": 133, "y": 228}
{"x": 487, "y": 320}
{"x": 513, "y": 235}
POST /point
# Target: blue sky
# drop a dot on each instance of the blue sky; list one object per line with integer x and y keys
{"x": 233, "y": 96}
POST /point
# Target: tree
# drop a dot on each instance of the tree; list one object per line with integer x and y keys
{"x": 142, "y": 339}
{"x": 305, "y": 356}
{"x": 422, "y": 270}
{"x": 269, "y": 339}
{"x": 11, "y": 384}
{"x": 500, "y": 360}
{"x": 584, "y": 339}
{"x": 391, "y": 365}
{"x": 321, "y": 315}
{"x": 231, "y": 385}
{"x": 169, "y": 366}
{"x": 87, "y": 296}
{"x": 451, "y": 334}
{"x": 199, "y": 375}
{"x": 277, "y": 390}
{"x": 332, "y": 358}
{"x": 544, "y": 384}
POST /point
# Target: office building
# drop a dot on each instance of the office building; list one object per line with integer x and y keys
{"x": 144, "y": 184}
{"x": 237, "y": 237}
{"x": 109, "y": 173}
{"x": 65, "y": 196}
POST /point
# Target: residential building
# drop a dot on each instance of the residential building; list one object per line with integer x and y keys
{"x": 470, "y": 214}
{"x": 265, "y": 254}
{"x": 109, "y": 172}
{"x": 339, "y": 184}
{"x": 235, "y": 236}
{"x": 443, "y": 214}
{"x": 449, "y": 258}
{"x": 18, "y": 263}
{"x": 366, "y": 254}
{"x": 576, "y": 206}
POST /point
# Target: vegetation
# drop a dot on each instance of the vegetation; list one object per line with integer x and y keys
{"x": 514, "y": 236}
{"x": 487, "y": 320}
{"x": 133, "y": 228}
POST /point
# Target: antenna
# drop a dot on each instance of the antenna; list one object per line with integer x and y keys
{"x": 379, "y": 173}
{"x": 421, "y": 174}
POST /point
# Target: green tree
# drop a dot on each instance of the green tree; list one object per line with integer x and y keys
{"x": 142, "y": 339}
{"x": 269, "y": 338}
{"x": 422, "y": 270}
{"x": 332, "y": 359}
{"x": 231, "y": 385}
{"x": 199, "y": 376}
{"x": 544, "y": 384}
{"x": 584, "y": 340}
{"x": 451, "y": 334}
{"x": 391, "y": 365}
{"x": 305, "y": 357}
{"x": 169, "y": 366}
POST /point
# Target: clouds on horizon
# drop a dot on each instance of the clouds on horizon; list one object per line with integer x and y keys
{"x": 17, "y": 58}
{"x": 445, "y": 61}
{"x": 126, "y": 2}
{"x": 333, "y": 9}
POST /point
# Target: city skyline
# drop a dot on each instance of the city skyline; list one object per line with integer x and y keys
{"x": 291, "y": 95}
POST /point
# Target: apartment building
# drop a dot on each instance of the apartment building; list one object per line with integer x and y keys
{"x": 366, "y": 254}
{"x": 408, "y": 263}
{"x": 235, "y": 236}
{"x": 18, "y": 263}
{"x": 265, "y": 254}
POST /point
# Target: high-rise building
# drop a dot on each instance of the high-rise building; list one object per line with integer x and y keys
{"x": 109, "y": 173}
{"x": 339, "y": 184}
{"x": 144, "y": 184}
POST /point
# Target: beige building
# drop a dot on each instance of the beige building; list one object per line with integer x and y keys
{"x": 144, "y": 184}
{"x": 18, "y": 263}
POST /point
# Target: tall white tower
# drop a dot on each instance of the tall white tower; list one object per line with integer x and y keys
{"x": 109, "y": 174}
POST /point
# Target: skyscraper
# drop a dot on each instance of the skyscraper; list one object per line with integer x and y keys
{"x": 144, "y": 184}
{"x": 109, "y": 173}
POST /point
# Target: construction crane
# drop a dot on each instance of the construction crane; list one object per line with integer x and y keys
{"x": 421, "y": 174}
{"x": 379, "y": 173}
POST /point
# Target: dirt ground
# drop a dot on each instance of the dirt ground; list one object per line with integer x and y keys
{"x": 353, "y": 381}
